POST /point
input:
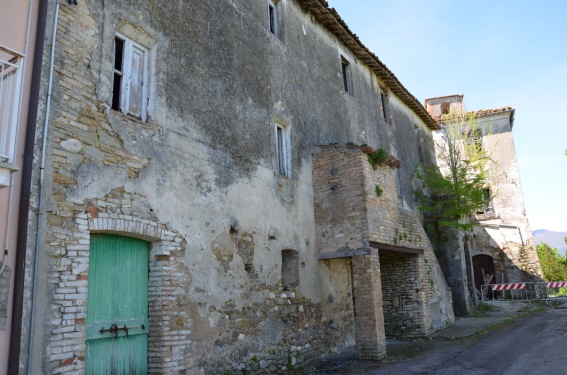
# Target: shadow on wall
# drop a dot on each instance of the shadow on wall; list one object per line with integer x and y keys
{"x": 470, "y": 261}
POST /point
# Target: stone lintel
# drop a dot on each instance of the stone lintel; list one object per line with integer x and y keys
{"x": 347, "y": 253}
{"x": 398, "y": 249}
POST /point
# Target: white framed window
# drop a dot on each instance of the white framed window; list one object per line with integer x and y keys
{"x": 11, "y": 69}
{"x": 283, "y": 149}
{"x": 131, "y": 77}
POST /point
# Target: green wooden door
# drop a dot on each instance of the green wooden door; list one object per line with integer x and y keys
{"x": 117, "y": 306}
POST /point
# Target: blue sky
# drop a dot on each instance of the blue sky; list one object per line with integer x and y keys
{"x": 496, "y": 53}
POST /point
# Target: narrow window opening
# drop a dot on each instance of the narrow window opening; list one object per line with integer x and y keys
{"x": 282, "y": 147}
{"x": 345, "y": 65}
{"x": 290, "y": 269}
{"x": 272, "y": 18}
{"x": 118, "y": 61}
{"x": 383, "y": 100}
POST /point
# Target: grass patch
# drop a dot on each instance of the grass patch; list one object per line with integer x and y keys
{"x": 484, "y": 308}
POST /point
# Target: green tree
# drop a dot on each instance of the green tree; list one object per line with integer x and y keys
{"x": 456, "y": 188}
{"x": 553, "y": 264}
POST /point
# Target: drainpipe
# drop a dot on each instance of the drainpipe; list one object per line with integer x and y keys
{"x": 40, "y": 189}
{"x": 23, "y": 215}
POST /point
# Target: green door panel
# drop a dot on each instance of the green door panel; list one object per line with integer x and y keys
{"x": 117, "y": 298}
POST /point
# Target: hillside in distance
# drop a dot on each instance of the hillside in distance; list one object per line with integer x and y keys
{"x": 553, "y": 239}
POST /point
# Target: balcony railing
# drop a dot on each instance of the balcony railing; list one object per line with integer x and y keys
{"x": 11, "y": 68}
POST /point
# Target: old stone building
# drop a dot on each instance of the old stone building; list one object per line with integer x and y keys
{"x": 501, "y": 248}
{"x": 206, "y": 206}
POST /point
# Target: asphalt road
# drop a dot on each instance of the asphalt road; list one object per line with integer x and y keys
{"x": 532, "y": 345}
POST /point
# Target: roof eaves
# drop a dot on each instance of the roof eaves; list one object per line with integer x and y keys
{"x": 335, "y": 24}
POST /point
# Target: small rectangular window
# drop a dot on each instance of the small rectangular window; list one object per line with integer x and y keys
{"x": 272, "y": 17}
{"x": 345, "y": 66}
{"x": 275, "y": 18}
{"x": 129, "y": 91}
{"x": 474, "y": 139}
{"x": 383, "y": 101}
{"x": 283, "y": 150}
{"x": 488, "y": 208}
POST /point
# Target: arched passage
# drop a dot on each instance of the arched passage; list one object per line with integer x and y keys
{"x": 483, "y": 267}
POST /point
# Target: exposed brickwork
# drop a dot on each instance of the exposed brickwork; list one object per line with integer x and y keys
{"x": 369, "y": 317}
{"x": 352, "y": 217}
{"x": 388, "y": 223}
{"x": 340, "y": 207}
{"x": 348, "y": 211}
{"x": 112, "y": 214}
{"x": 402, "y": 295}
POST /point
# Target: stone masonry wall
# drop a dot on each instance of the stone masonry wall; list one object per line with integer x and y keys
{"x": 279, "y": 334}
{"x": 199, "y": 181}
{"x": 260, "y": 328}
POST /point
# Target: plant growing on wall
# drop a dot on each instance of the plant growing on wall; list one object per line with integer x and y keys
{"x": 380, "y": 157}
{"x": 379, "y": 191}
{"x": 377, "y": 158}
{"x": 456, "y": 187}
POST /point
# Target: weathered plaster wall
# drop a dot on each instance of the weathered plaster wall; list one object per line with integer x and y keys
{"x": 503, "y": 234}
{"x": 203, "y": 169}
{"x": 508, "y": 225}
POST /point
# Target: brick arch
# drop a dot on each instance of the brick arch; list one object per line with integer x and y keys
{"x": 166, "y": 254}
{"x": 161, "y": 239}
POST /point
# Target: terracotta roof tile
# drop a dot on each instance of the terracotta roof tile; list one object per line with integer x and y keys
{"x": 480, "y": 112}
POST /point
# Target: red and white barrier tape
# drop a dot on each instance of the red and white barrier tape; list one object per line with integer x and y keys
{"x": 512, "y": 286}
{"x": 556, "y": 284}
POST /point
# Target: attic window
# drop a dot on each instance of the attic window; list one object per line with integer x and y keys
{"x": 385, "y": 103}
{"x": 474, "y": 139}
{"x": 345, "y": 69}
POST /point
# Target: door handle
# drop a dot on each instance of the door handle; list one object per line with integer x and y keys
{"x": 114, "y": 329}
